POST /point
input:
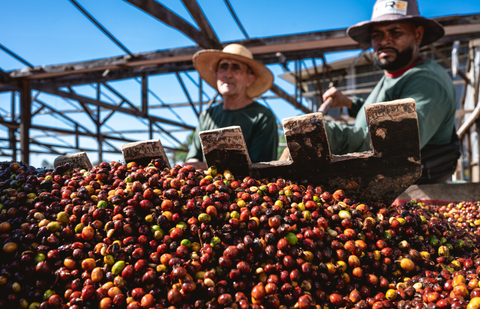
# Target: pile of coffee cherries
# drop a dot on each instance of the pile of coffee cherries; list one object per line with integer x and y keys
{"x": 130, "y": 236}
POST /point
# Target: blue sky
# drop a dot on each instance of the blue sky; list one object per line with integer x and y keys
{"x": 55, "y": 31}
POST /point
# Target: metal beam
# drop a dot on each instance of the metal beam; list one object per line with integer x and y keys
{"x": 99, "y": 26}
{"x": 5, "y": 88}
{"x": 235, "y": 17}
{"x": 11, "y": 53}
{"x": 169, "y": 134}
{"x": 187, "y": 94}
{"x": 4, "y": 77}
{"x": 150, "y": 122}
{"x": 145, "y": 94}
{"x": 163, "y": 103}
{"x": 84, "y": 76}
{"x": 281, "y": 93}
{"x": 26, "y": 119}
{"x": 72, "y": 147}
{"x": 39, "y": 110}
{"x": 118, "y": 94}
{"x": 298, "y": 46}
{"x": 99, "y": 103}
{"x": 43, "y": 104}
{"x": 15, "y": 125}
{"x": 449, "y": 64}
{"x": 202, "y": 21}
{"x": 163, "y": 14}
{"x": 13, "y": 143}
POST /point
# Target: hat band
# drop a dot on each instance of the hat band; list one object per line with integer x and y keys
{"x": 390, "y": 7}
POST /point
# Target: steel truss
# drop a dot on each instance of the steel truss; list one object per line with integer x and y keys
{"x": 58, "y": 80}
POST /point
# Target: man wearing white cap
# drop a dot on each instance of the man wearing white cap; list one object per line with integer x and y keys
{"x": 396, "y": 32}
{"x": 239, "y": 79}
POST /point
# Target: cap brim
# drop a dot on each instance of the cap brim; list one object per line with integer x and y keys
{"x": 361, "y": 32}
{"x": 206, "y": 61}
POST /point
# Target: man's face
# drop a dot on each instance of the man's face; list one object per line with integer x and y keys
{"x": 233, "y": 77}
{"x": 395, "y": 43}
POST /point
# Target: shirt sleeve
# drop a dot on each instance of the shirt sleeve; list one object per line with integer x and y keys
{"x": 346, "y": 139}
{"x": 265, "y": 142}
{"x": 431, "y": 103}
{"x": 195, "y": 151}
{"x": 357, "y": 104}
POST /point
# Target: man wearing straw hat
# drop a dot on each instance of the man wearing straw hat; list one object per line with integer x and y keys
{"x": 396, "y": 32}
{"x": 238, "y": 79}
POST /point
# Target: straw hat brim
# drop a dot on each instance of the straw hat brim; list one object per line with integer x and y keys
{"x": 361, "y": 32}
{"x": 206, "y": 61}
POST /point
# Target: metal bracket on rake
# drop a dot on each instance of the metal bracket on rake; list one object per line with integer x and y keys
{"x": 381, "y": 174}
{"x": 75, "y": 160}
{"x": 143, "y": 152}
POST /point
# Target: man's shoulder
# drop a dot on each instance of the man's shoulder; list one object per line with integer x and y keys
{"x": 428, "y": 72}
{"x": 213, "y": 109}
{"x": 257, "y": 107}
{"x": 428, "y": 69}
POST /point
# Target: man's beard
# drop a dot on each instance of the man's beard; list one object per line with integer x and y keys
{"x": 401, "y": 59}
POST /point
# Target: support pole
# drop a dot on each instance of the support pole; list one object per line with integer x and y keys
{"x": 150, "y": 129}
{"x": 145, "y": 94}
{"x": 469, "y": 155}
{"x": 13, "y": 106}
{"x": 319, "y": 86}
{"x": 99, "y": 125}
{"x": 26, "y": 120}
{"x": 11, "y": 131}
{"x": 13, "y": 143}
{"x": 77, "y": 139}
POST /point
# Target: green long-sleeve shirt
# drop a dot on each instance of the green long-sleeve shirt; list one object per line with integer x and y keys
{"x": 434, "y": 94}
{"x": 258, "y": 125}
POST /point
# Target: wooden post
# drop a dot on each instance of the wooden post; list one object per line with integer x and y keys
{"x": 26, "y": 120}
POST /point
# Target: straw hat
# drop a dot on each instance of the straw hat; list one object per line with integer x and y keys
{"x": 206, "y": 61}
{"x": 396, "y": 10}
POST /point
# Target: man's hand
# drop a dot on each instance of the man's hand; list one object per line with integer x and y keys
{"x": 338, "y": 99}
{"x": 285, "y": 154}
{"x": 198, "y": 165}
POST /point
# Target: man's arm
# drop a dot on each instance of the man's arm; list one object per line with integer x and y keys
{"x": 346, "y": 139}
{"x": 433, "y": 106}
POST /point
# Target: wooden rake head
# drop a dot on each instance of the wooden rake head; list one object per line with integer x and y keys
{"x": 381, "y": 174}
{"x": 76, "y": 160}
{"x": 143, "y": 152}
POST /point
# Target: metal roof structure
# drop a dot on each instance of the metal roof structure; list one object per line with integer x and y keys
{"x": 88, "y": 119}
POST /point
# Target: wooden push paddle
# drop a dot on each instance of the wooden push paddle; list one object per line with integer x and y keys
{"x": 381, "y": 174}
